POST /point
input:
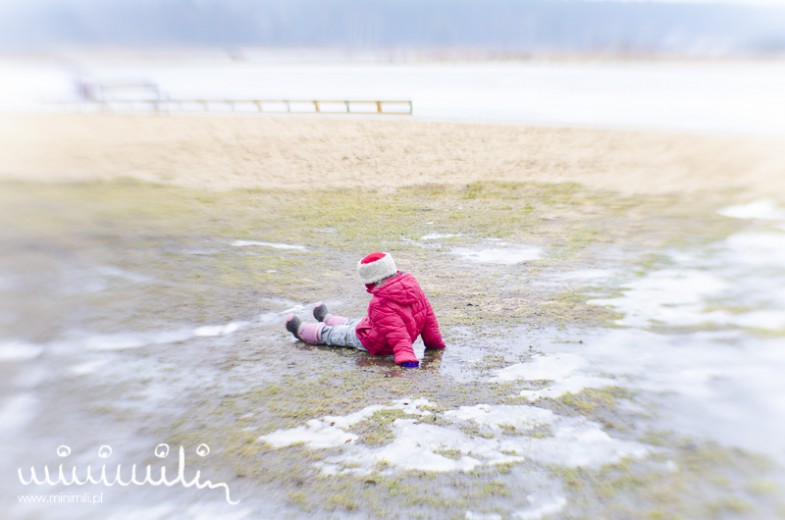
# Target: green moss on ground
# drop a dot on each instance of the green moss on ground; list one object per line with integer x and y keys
{"x": 182, "y": 240}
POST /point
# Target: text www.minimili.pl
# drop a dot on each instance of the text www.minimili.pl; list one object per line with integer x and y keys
{"x": 116, "y": 475}
{"x": 63, "y": 498}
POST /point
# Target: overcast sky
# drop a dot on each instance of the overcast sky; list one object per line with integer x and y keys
{"x": 498, "y": 25}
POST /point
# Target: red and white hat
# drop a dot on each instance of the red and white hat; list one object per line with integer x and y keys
{"x": 376, "y": 267}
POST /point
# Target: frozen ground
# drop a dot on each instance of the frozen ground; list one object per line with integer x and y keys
{"x": 115, "y": 339}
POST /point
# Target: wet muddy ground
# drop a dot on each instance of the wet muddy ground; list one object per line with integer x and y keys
{"x": 608, "y": 356}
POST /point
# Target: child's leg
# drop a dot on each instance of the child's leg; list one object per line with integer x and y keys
{"x": 321, "y": 313}
{"x": 343, "y": 335}
{"x": 331, "y": 320}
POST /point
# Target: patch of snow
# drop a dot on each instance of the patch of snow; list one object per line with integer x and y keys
{"x": 416, "y": 448}
{"x": 519, "y": 417}
{"x": 131, "y": 340}
{"x": 710, "y": 382}
{"x": 446, "y": 447}
{"x": 741, "y": 271}
{"x": 438, "y": 236}
{"x": 501, "y": 254}
{"x": 271, "y": 245}
{"x": 17, "y": 411}
{"x": 15, "y": 351}
{"x": 540, "y": 507}
{"x": 482, "y": 516}
{"x": 541, "y": 368}
{"x": 586, "y": 275}
{"x": 566, "y": 371}
{"x": 218, "y": 330}
{"x": 329, "y": 431}
{"x": 671, "y": 296}
{"x": 759, "y": 249}
{"x": 124, "y": 341}
{"x": 759, "y": 209}
{"x": 88, "y": 367}
{"x": 316, "y": 434}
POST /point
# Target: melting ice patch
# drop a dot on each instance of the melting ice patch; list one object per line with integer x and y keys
{"x": 519, "y": 417}
{"x": 201, "y": 511}
{"x": 482, "y": 516}
{"x": 16, "y": 412}
{"x": 17, "y": 351}
{"x": 499, "y": 253}
{"x": 761, "y": 249}
{"x": 541, "y": 506}
{"x": 130, "y": 340}
{"x": 722, "y": 385}
{"x": 438, "y": 236}
{"x": 760, "y": 209}
{"x": 330, "y": 431}
{"x": 447, "y": 447}
{"x": 207, "y": 331}
{"x": 87, "y": 367}
{"x": 672, "y": 296}
{"x": 586, "y": 275}
{"x": 738, "y": 282}
{"x": 124, "y": 341}
{"x": 566, "y": 373}
{"x": 271, "y": 245}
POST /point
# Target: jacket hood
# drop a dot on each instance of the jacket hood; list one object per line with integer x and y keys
{"x": 401, "y": 288}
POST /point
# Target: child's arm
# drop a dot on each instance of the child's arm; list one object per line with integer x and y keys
{"x": 398, "y": 338}
{"x": 431, "y": 335}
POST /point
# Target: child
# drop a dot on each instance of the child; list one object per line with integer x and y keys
{"x": 398, "y": 312}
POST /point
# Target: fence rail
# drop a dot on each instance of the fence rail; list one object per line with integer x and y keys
{"x": 298, "y": 106}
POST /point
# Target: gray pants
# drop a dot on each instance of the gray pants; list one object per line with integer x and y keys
{"x": 342, "y": 336}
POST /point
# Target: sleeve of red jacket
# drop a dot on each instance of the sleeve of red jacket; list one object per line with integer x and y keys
{"x": 397, "y": 337}
{"x": 431, "y": 335}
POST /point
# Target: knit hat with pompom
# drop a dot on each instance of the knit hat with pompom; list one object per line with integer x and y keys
{"x": 376, "y": 267}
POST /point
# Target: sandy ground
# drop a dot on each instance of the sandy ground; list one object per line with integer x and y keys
{"x": 227, "y": 152}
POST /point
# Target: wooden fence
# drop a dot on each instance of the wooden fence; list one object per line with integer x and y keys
{"x": 289, "y": 106}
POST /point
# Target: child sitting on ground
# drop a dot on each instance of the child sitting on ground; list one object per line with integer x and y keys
{"x": 398, "y": 312}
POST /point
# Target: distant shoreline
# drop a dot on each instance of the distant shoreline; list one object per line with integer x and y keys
{"x": 304, "y": 55}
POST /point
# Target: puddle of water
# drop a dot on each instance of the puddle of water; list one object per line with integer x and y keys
{"x": 732, "y": 284}
{"x": 714, "y": 385}
{"x": 499, "y": 253}
{"x": 672, "y": 296}
{"x": 75, "y": 341}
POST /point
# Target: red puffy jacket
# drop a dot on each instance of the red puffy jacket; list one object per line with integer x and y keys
{"x": 399, "y": 312}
